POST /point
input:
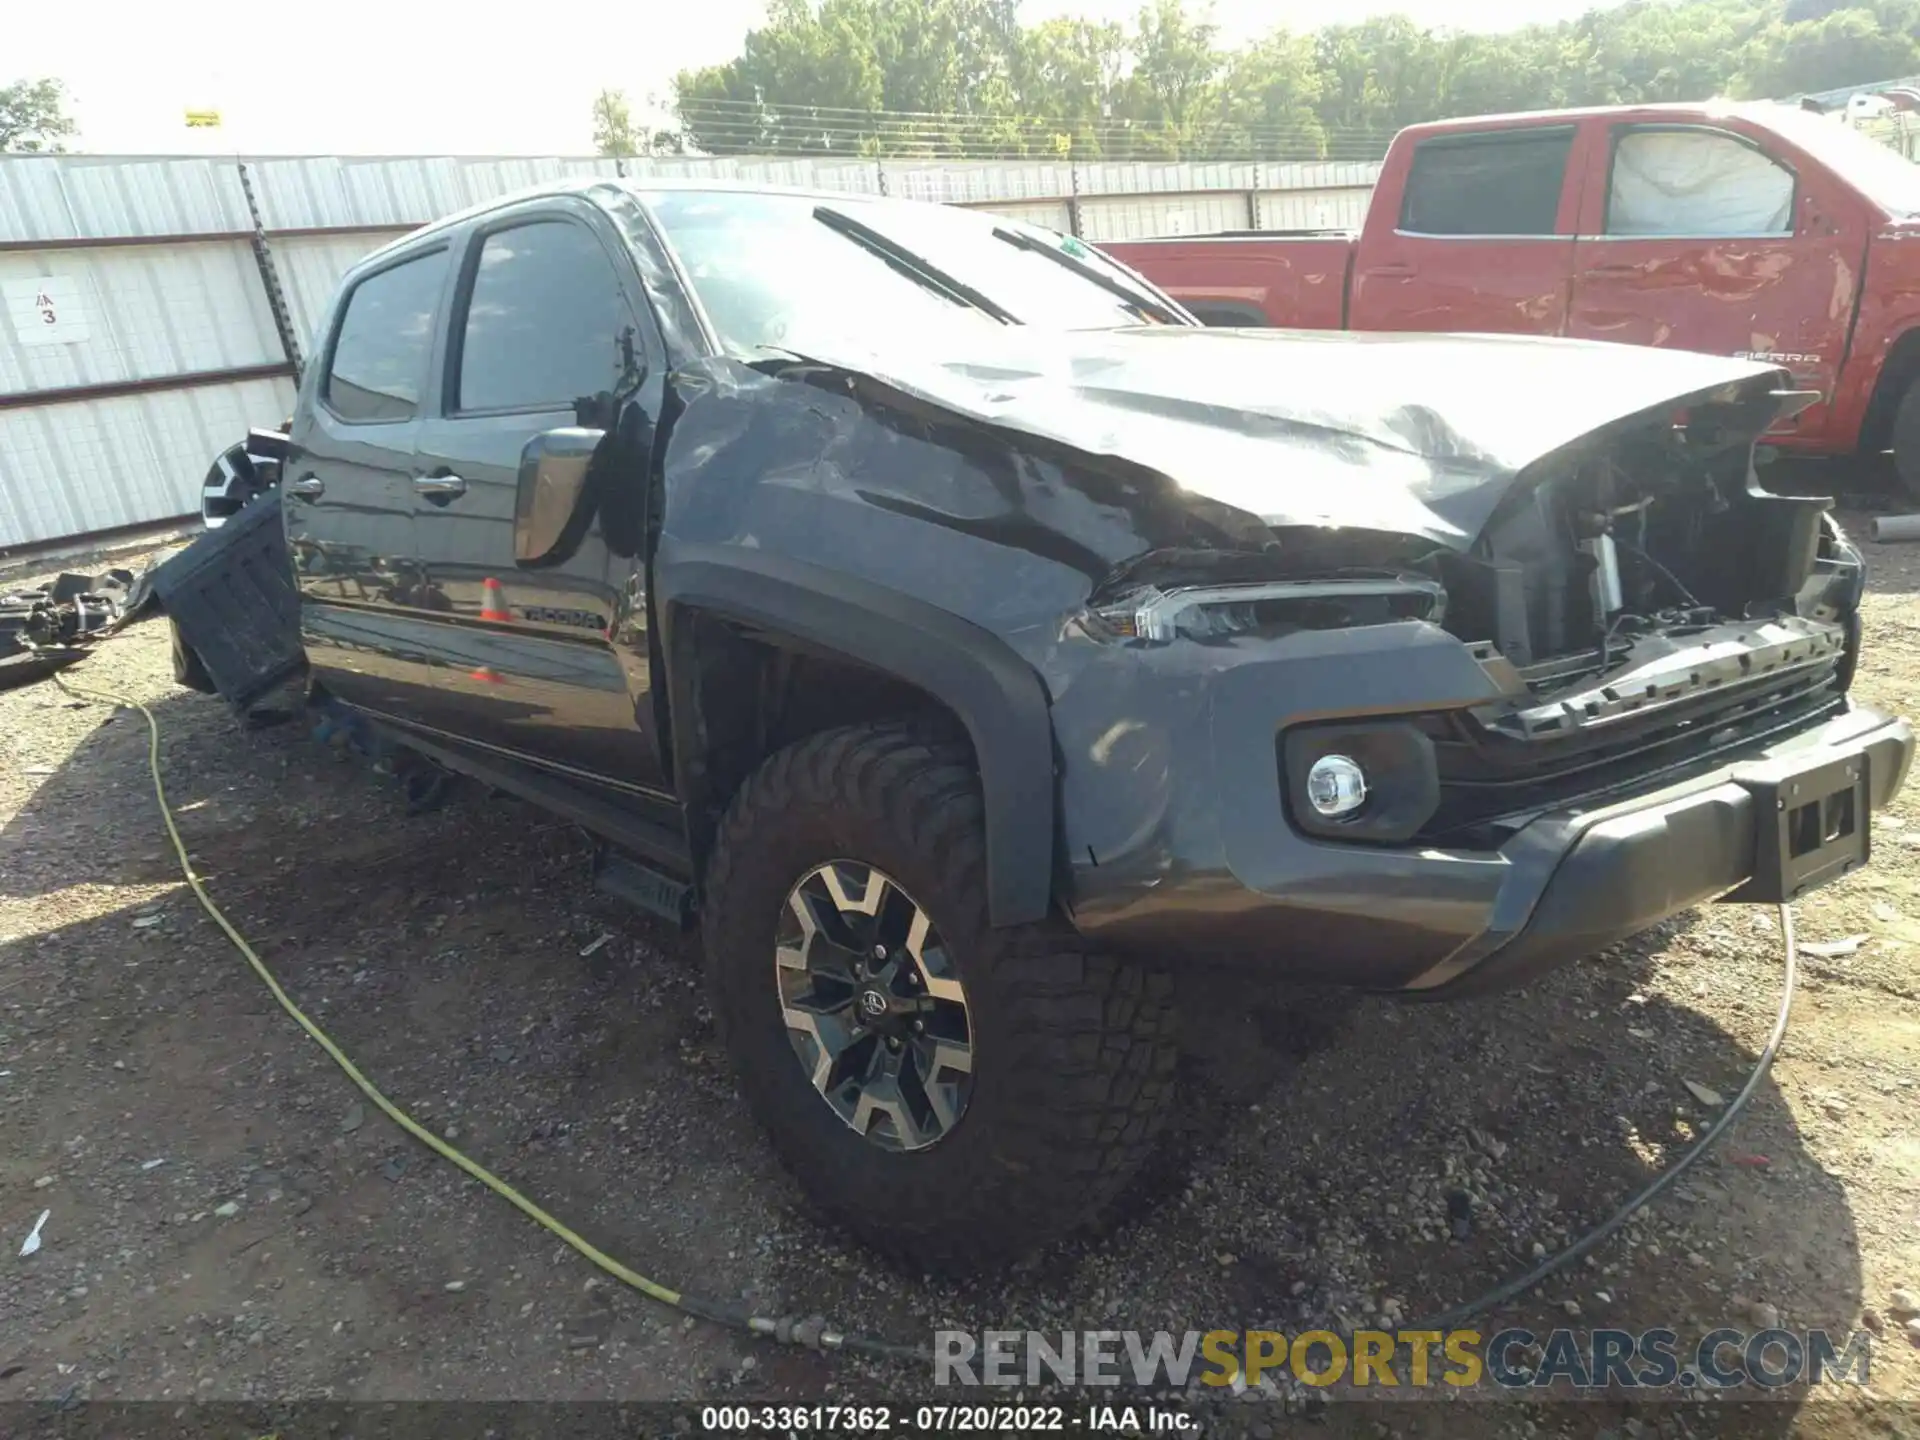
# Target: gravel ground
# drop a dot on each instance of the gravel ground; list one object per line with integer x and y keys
{"x": 230, "y": 1221}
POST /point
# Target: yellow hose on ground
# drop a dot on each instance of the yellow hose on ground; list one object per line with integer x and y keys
{"x": 339, "y": 1057}
{"x": 811, "y": 1331}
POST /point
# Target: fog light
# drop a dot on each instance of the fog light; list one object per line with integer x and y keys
{"x": 1336, "y": 786}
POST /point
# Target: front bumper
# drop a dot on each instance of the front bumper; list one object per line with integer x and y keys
{"x": 1631, "y": 865}
{"x": 1211, "y": 871}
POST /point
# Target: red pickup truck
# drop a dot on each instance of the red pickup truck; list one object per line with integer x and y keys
{"x": 1762, "y": 231}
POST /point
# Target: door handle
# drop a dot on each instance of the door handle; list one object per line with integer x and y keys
{"x": 1391, "y": 272}
{"x": 307, "y": 487}
{"x": 1621, "y": 268}
{"x": 439, "y": 487}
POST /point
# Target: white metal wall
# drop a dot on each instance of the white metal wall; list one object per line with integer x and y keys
{"x": 150, "y": 311}
{"x": 79, "y": 197}
{"x": 150, "y": 260}
{"x": 90, "y": 465}
{"x": 340, "y": 193}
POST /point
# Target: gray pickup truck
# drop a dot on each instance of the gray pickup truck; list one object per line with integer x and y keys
{"x": 969, "y": 639}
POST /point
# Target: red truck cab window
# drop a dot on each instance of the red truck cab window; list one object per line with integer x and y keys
{"x": 1507, "y": 182}
{"x": 1701, "y": 237}
{"x": 1483, "y": 240}
{"x": 1696, "y": 183}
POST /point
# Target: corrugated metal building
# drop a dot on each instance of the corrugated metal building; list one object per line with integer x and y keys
{"x": 156, "y": 307}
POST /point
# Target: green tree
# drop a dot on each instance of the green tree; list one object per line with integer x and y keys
{"x": 614, "y": 132}
{"x": 1498, "y": 74}
{"x": 963, "y": 77}
{"x": 1268, "y": 101}
{"x": 1854, "y": 46}
{"x": 1380, "y": 75}
{"x": 801, "y": 84}
{"x": 1169, "y": 100}
{"x": 1066, "y": 76}
{"x": 34, "y": 119}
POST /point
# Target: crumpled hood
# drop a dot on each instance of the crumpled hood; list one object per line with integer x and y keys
{"x": 1410, "y": 434}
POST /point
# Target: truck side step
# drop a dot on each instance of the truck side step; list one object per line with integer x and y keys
{"x": 628, "y": 879}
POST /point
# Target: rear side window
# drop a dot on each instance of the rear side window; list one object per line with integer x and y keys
{"x": 1499, "y": 183}
{"x": 543, "y": 323}
{"x": 1696, "y": 183}
{"x": 380, "y": 355}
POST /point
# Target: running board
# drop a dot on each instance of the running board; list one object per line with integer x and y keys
{"x": 626, "y": 878}
{"x": 609, "y": 821}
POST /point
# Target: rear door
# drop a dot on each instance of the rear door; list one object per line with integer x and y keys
{"x": 1693, "y": 236}
{"x": 349, "y": 502}
{"x": 1483, "y": 240}
{"x": 545, "y": 312}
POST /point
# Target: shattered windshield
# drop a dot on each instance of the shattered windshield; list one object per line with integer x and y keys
{"x": 771, "y": 275}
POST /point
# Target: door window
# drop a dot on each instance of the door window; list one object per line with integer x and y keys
{"x": 543, "y": 321}
{"x": 1696, "y": 183}
{"x": 380, "y": 354}
{"x": 1498, "y": 182}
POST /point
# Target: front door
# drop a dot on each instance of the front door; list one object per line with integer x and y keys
{"x": 347, "y": 486}
{"x": 1694, "y": 237}
{"x": 544, "y": 328}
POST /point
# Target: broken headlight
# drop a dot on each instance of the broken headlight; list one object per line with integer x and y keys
{"x": 1218, "y": 612}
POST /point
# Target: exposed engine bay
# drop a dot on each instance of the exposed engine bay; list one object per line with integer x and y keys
{"x": 1637, "y": 600}
{"x": 1593, "y": 528}
{"x": 1648, "y": 555}
{"x": 1662, "y": 535}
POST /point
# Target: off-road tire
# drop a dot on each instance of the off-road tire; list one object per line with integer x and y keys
{"x": 1074, "y": 1052}
{"x": 1906, "y": 443}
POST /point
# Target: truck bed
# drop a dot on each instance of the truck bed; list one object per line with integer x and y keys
{"x": 1296, "y": 279}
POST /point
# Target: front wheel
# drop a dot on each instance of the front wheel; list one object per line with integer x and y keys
{"x": 953, "y": 1093}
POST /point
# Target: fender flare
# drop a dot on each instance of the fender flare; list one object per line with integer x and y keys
{"x": 975, "y": 674}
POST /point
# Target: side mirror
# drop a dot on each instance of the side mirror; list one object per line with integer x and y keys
{"x": 553, "y": 503}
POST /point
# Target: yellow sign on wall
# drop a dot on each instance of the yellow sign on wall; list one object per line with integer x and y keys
{"x": 203, "y": 119}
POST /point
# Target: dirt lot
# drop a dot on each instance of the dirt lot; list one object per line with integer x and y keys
{"x": 229, "y": 1221}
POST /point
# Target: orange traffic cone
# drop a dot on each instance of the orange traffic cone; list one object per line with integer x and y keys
{"x": 493, "y": 606}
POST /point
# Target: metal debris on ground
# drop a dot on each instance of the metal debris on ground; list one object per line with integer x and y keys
{"x": 33, "y": 1236}
{"x": 62, "y": 610}
{"x": 1833, "y": 949}
{"x": 1705, "y": 1095}
{"x": 43, "y": 628}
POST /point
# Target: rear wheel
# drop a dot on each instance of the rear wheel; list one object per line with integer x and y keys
{"x": 188, "y": 668}
{"x": 1906, "y": 442}
{"x": 953, "y": 1093}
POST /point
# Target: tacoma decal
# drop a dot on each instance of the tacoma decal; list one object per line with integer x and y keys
{"x": 545, "y": 615}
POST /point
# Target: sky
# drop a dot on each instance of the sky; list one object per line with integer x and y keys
{"x": 404, "y": 77}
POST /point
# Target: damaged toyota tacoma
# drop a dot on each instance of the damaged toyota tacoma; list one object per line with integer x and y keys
{"x": 969, "y": 639}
